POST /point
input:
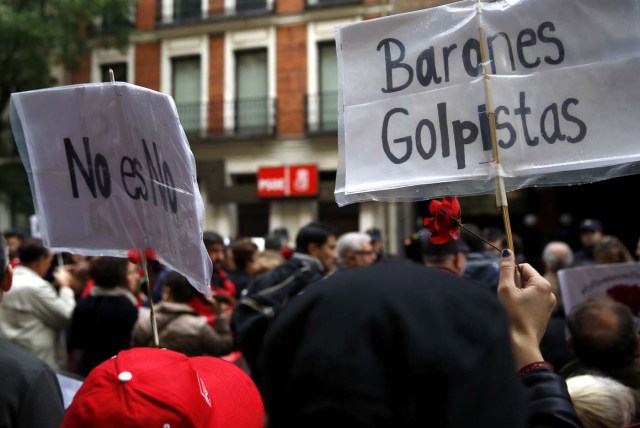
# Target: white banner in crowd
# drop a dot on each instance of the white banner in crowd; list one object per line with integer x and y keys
{"x": 412, "y": 100}
{"x": 621, "y": 281}
{"x": 111, "y": 170}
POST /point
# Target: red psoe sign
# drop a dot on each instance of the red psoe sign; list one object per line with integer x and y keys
{"x": 296, "y": 180}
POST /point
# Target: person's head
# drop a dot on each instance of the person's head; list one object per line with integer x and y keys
{"x": 451, "y": 256}
{"x": 110, "y": 272}
{"x": 591, "y": 231}
{"x": 496, "y": 236}
{"x": 601, "y": 401}
{"x": 176, "y": 288}
{"x": 35, "y": 256}
{"x": 354, "y": 249}
{"x": 282, "y": 233}
{"x": 557, "y": 255}
{"x": 272, "y": 242}
{"x": 318, "y": 240}
{"x": 149, "y": 387}
{"x": 245, "y": 253}
{"x": 6, "y": 273}
{"x": 610, "y": 249}
{"x": 392, "y": 344}
{"x": 214, "y": 243}
{"x": 13, "y": 239}
{"x": 602, "y": 333}
{"x": 376, "y": 240}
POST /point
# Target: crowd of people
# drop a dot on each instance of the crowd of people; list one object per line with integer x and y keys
{"x": 321, "y": 328}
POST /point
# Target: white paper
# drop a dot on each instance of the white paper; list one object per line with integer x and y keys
{"x": 111, "y": 170}
{"x": 560, "y": 84}
{"x": 621, "y": 281}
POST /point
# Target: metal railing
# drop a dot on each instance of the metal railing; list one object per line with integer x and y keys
{"x": 188, "y": 11}
{"x": 324, "y": 3}
{"x": 322, "y": 112}
{"x": 238, "y": 118}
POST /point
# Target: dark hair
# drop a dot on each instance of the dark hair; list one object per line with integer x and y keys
{"x": 243, "y": 252}
{"x": 272, "y": 242}
{"x": 598, "y": 345}
{"x": 211, "y": 238}
{"x": 109, "y": 272}
{"x": 281, "y": 232}
{"x": 181, "y": 290}
{"x": 31, "y": 249}
{"x": 313, "y": 233}
{"x": 13, "y": 234}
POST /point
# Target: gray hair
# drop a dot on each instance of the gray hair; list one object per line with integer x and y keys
{"x": 349, "y": 242}
{"x": 601, "y": 401}
{"x": 557, "y": 255}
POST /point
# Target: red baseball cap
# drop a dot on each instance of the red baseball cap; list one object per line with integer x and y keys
{"x": 149, "y": 387}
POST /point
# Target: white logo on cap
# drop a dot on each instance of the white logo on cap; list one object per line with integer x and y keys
{"x": 125, "y": 376}
{"x": 203, "y": 390}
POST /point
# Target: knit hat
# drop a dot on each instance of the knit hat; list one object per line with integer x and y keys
{"x": 149, "y": 387}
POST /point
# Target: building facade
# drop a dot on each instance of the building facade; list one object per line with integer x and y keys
{"x": 255, "y": 83}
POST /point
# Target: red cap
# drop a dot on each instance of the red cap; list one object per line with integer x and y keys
{"x": 148, "y": 387}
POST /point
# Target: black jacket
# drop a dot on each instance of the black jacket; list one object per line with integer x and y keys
{"x": 265, "y": 297}
{"x": 549, "y": 401}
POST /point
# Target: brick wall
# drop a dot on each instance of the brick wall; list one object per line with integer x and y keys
{"x": 216, "y": 83}
{"x": 287, "y": 6}
{"x": 291, "y": 75}
{"x": 148, "y": 65}
{"x": 146, "y": 14}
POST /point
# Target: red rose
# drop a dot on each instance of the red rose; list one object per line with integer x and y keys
{"x": 444, "y": 223}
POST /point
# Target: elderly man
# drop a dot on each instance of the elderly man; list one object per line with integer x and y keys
{"x": 355, "y": 249}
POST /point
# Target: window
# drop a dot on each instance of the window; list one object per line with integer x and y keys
{"x": 186, "y": 91}
{"x": 186, "y": 9}
{"x": 251, "y": 92}
{"x": 328, "y": 85}
{"x": 250, "y": 5}
{"x": 119, "y": 72}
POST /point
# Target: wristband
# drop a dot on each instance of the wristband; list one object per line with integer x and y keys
{"x": 535, "y": 366}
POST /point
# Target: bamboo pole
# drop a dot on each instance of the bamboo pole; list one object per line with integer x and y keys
{"x": 501, "y": 194}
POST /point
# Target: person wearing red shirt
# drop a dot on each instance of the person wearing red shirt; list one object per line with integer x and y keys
{"x": 222, "y": 288}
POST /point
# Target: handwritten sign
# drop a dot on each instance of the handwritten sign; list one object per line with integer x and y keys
{"x": 413, "y": 100}
{"x": 620, "y": 281}
{"x": 111, "y": 170}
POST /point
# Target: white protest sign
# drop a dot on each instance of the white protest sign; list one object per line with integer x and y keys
{"x": 621, "y": 281}
{"x": 413, "y": 99}
{"x": 111, "y": 170}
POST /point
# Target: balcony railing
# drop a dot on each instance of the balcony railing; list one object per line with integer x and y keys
{"x": 322, "y": 112}
{"x": 239, "y": 118}
{"x": 311, "y": 4}
{"x": 188, "y": 11}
